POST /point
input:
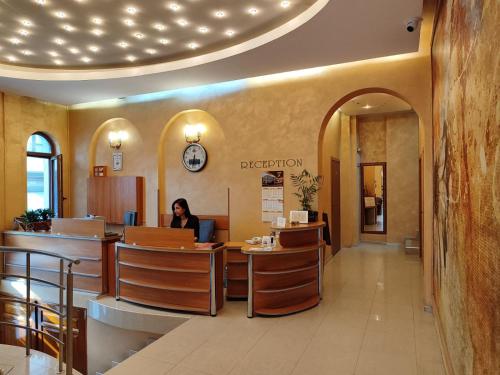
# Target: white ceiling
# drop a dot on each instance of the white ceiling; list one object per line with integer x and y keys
{"x": 368, "y": 104}
{"x": 335, "y": 31}
{"x": 112, "y": 33}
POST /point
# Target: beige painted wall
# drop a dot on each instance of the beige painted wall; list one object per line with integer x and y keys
{"x": 277, "y": 120}
{"x": 393, "y": 138}
{"x": 23, "y": 116}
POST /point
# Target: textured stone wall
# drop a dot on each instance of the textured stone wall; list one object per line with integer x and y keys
{"x": 465, "y": 62}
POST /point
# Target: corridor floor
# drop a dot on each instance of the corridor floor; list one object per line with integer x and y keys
{"x": 371, "y": 321}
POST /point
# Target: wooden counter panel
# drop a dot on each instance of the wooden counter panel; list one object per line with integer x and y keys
{"x": 284, "y": 280}
{"x": 237, "y": 271}
{"x": 185, "y": 261}
{"x": 299, "y": 238}
{"x": 64, "y": 246}
{"x": 92, "y": 283}
{"x": 49, "y": 263}
{"x": 165, "y": 298}
{"x": 285, "y": 300}
{"x": 283, "y": 262}
{"x": 235, "y": 255}
{"x": 237, "y": 289}
{"x": 166, "y": 279}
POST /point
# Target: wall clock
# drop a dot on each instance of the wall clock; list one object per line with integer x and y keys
{"x": 194, "y": 157}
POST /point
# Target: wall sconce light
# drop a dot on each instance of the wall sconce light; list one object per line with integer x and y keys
{"x": 116, "y": 139}
{"x": 193, "y": 133}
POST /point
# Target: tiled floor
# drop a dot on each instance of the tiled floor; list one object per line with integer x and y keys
{"x": 371, "y": 321}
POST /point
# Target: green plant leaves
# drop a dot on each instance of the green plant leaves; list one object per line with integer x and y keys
{"x": 307, "y": 186}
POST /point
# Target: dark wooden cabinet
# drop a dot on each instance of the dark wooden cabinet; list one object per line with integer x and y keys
{"x": 112, "y": 196}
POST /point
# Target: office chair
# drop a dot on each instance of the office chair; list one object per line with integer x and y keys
{"x": 130, "y": 218}
{"x": 207, "y": 230}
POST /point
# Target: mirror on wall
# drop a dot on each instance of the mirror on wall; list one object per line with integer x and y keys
{"x": 373, "y": 198}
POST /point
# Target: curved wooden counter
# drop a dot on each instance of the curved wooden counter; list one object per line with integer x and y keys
{"x": 90, "y": 275}
{"x": 286, "y": 279}
{"x": 186, "y": 279}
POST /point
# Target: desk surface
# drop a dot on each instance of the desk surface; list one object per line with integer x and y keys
{"x": 65, "y": 236}
{"x": 253, "y": 249}
{"x": 199, "y": 248}
{"x": 299, "y": 227}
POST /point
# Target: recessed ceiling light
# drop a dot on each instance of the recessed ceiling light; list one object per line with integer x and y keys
{"x": 53, "y": 53}
{"x": 203, "y": 29}
{"x": 131, "y": 10}
{"x": 193, "y": 45}
{"x": 164, "y": 41}
{"x": 129, "y": 22}
{"x": 174, "y": 6}
{"x": 123, "y": 44}
{"x": 26, "y": 23}
{"x": 182, "y": 22}
{"x": 220, "y": 14}
{"x": 96, "y": 20}
{"x": 253, "y": 11}
{"x": 285, "y": 4}
{"x": 367, "y": 106}
{"x": 60, "y": 14}
{"x": 74, "y": 50}
{"x": 97, "y": 32}
{"x": 27, "y": 52}
{"x": 68, "y": 28}
{"x": 41, "y": 2}
{"x": 58, "y": 62}
{"x": 94, "y": 49}
{"x": 23, "y": 32}
{"x": 11, "y": 58}
{"x": 159, "y": 26}
{"x": 139, "y": 35}
{"x": 59, "y": 41}
{"x": 131, "y": 58}
{"x": 15, "y": 40}
{"x": 86, "y": 59}
{"x": 229, "y": 32}
{"x": 151, "y": 51}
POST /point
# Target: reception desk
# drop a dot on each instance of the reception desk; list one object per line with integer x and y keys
{"x": 92, "y": 249}
{"x": 287, "y": 278}
{"x": 237, "y": 271}
{"x": 161, "y": 267}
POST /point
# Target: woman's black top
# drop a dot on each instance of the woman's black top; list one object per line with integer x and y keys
{"x": 192, "y": 223}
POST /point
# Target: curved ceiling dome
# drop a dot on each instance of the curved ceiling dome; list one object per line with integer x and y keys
{"x": 110, "y": 34}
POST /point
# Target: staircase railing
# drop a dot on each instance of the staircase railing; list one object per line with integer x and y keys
{"x": 65, "y": 267}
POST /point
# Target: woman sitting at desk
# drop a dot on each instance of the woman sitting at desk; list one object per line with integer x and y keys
{"x": 183, "y": 218}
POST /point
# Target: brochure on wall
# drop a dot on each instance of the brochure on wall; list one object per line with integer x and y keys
{"x": 272, "y": 195}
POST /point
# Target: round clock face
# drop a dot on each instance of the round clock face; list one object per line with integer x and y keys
{"x": 194, "y": 157}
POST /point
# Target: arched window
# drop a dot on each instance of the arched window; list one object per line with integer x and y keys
{"x": 43, "y": 170}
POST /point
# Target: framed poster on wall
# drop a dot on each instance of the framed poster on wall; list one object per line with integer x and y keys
{"x": 272, "y": 195}
{"x": 117, "y": 161}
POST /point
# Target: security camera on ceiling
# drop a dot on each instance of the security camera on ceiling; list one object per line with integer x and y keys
{"x": 412, "y": 24}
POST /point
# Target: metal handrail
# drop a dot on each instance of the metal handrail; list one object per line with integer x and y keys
{"x": 68, "y": 345}
{"x": 19, "y": 300}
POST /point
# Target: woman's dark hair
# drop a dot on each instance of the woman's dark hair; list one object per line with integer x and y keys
{"x": 184, "y": 204}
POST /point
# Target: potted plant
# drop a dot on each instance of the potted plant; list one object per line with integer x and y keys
{"x": 307, "y": 187}
{"x": 35, "y": 220}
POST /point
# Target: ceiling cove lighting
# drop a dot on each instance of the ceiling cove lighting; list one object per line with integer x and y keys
{"x": 253, "y": 11}
{"x": 229, "y": 32}
{"x": 86, "y": 59}
{"x": 164, "y": 41}
{"x": 11, "y": 58}
{"x": 74, "y": 50}
{"x": 94, "y": 49}
{"x": 60, "y": 14}
{"x": 15, "y": 40}
{"x": 53, "y": 53}
{"x": 129, "y": 22}
{"x": 182, "y": 22}
{"x": 220, "y": 14}
{"x": 203, "y": 29}
{"x": 23, "y": 32}
{"x": 41, "y": 2}
{"x": 123, "y": 44}
{"x": 285, "y": 4}
{"x": 151, "y": 51}
{"x": 131, "y": 58}
{"x": 58, "y": 62}
{"x": 97, "y": 32}
{"x": 193, "y": 45}
{"x": 59, "y": 41}
{"x": 159, "y": 26}
{"x": 139, "y": 35}
{"x": 174, "y": 7}
{"x": 27, "y": 52}
{"x": 68, "y": 28}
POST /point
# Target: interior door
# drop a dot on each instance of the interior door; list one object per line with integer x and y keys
{"x": 335, "y": 173}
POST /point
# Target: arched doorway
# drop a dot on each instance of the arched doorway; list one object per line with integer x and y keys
{"x": 350, "y": 219}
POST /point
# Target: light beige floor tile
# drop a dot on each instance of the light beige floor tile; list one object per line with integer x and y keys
{"x": 136, "y": 365}
{"x": 183, "y": 370}
{"x": 380, "y": 363}
{"x": 430, "y": 368}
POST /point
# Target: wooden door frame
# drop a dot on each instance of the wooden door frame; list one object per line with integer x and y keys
{"x": 332, "y": 159}
{"x": 362, "y": 196}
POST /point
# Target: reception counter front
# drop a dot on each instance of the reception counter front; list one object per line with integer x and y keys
{"x": 75, "y": 238}
{"x": 162, "y": 267}
{"x": 288, "y": 277}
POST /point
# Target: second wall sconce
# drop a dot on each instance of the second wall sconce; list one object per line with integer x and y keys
{"x": 116, "y": 139}
{"x": 193, "y": 133}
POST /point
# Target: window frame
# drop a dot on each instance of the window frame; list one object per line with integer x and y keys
{"x": 48, "y": 156}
